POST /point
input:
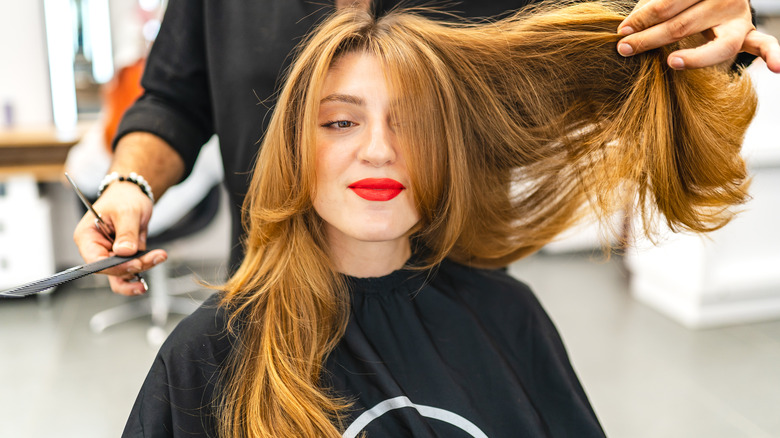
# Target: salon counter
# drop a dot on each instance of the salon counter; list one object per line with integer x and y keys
{"x": 39, "y": 152}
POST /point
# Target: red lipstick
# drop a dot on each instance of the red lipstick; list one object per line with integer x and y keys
{"x": 377, "y": 189}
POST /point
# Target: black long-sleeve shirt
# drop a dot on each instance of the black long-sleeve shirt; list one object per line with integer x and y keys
{"x": 455, "y": 352}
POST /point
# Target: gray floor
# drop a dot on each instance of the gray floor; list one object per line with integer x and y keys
{"x": 646, "y": 375}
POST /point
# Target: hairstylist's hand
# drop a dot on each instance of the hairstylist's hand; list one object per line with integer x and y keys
{"x": 127, "y": 210}
{"x": 726, "y": 24}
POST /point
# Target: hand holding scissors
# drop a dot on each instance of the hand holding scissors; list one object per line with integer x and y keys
{"x": 119, "y": 229}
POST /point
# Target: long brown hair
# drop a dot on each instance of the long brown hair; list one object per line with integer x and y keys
{"x": 512, "y": 129}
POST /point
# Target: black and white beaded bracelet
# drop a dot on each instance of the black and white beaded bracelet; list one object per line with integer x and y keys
{"x": 132, "y": 177}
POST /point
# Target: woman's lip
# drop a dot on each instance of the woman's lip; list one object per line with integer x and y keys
{"x": 377, "y": 184}
{"x": 377, "y": 189}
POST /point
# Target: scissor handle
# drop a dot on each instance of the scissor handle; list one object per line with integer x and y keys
{"x": 104, "y": 229}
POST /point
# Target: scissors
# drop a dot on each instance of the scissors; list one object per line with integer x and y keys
{"x": 77, "y": 271}
{"x": 103, "y": 227}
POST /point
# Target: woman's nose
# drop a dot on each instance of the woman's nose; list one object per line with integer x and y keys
{"x": 379, "y": 148}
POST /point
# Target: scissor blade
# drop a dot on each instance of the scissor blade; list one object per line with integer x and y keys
{"x": 101, "y": 225}
{"x": 67, "y": 275}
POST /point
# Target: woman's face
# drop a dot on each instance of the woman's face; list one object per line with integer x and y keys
{"x": 363, "y": 189}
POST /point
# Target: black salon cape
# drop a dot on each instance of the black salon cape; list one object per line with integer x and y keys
{"x": 456, "y": 352}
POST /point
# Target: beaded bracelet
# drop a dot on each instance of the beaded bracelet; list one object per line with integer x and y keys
{"x": 133, "y": 178}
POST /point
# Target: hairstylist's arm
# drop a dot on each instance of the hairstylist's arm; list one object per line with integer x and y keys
{"x": 125, "y": 207}
{"x": 726, "y": 23}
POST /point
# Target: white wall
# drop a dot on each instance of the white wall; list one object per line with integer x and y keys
{"x": 24, "y": 77}
{"x": 766, "y": 6}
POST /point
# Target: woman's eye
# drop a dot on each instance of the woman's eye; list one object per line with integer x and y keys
{"x": 340, "y": 124}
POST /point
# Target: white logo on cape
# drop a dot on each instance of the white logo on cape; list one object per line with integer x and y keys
{"x": 382, "y": 408}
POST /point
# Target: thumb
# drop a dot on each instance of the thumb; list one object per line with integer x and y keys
{"x": 128, "y": 229}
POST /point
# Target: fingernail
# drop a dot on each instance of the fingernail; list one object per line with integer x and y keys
{"x": 626, "y": 30}
{"x": 125, "y": 244}
{"x": 677, "y": 63}
{"x": 157, "y": 260}
{"x": 625, "y": 49}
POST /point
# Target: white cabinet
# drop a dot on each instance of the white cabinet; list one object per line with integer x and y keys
{"x": 26, "y": 252}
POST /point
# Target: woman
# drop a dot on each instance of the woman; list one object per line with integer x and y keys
{"x": 404, "y": 158}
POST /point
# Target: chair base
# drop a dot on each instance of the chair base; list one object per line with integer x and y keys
{"x": 158, "y": 304}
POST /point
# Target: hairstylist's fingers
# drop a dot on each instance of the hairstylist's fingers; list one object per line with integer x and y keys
{"x": 91, "y": 243}
{"x": 137, "y": 265}
{"x": 765, "y": 46}
{"x": 94, "y": 246}
{"x": 648, "y": 13}
{"x": 727, "y": 43}
{"x": 126, "y": 285}
{"x": 122, "y": 278}
{"x": 691, "y": 21}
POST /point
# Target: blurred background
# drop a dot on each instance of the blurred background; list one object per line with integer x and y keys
{"x": 680, "y": 339}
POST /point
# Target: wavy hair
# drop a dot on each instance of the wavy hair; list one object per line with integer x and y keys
{"x": 513, "y": 129}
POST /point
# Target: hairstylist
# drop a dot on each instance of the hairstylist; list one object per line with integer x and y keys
{"x": 215, "y": 65}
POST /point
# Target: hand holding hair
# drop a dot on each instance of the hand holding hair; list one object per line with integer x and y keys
{"x": 726, "y": 24}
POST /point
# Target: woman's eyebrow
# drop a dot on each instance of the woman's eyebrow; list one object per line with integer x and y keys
{"x": 346, "y": 98}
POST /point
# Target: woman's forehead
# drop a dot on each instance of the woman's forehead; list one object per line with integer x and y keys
{"x": 355, "y": 77}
